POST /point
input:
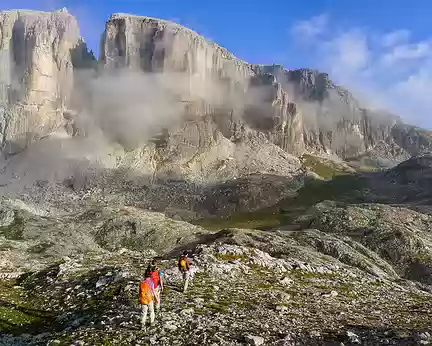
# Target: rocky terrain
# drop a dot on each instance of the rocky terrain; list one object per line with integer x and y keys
{"x": 306, "y": 213}
{"x": 283, "y": 287}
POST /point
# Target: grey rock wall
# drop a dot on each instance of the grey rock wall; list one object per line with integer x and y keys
{"x": 36, "y": 73}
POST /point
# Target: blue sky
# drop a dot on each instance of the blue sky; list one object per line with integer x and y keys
{"x": 256, "y": 31}
{"x": 380, "y": 49}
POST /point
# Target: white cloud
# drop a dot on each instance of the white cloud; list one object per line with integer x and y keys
{"x": 408, "y": 52}
{"x": 414, "y": 94}
{"x": 311, "y": 28}
{"x": 387, "y": 70}
{"x": 350, "y": 51}
{"x": 395, "y": 37}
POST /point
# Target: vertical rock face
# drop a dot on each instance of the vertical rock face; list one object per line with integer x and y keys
{"x": 239, "y": 98}
{"x": 333, "y": 120}
{"x": 298, "y": 110}
{"x": 36, "y": 73}
{"x": 274, "y": 113}
{"x": 160, "y": 46}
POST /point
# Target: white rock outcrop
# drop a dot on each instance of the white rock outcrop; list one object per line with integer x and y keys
{"x": 36, "y": 73}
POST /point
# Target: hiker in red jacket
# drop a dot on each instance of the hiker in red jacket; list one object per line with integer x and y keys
{"x": 157, "y": 278}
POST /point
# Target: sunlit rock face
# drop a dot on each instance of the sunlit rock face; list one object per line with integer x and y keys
{"x": 212, "y": 82}
{"x": 36, "y": 72}
{"x": 297, "y": 110}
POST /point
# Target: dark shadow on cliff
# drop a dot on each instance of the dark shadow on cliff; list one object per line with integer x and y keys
{"x": 50, "y": 177}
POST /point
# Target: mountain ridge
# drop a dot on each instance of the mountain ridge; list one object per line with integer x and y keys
{"x": 287, "y": 88}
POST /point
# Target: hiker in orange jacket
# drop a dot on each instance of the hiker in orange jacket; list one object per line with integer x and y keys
{"x": 157, "y": 277}
{"x": 147, "y": 296}
{"x": 184, "y": 265}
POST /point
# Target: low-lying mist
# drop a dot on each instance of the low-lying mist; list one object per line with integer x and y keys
{"x": 111, "y": 113}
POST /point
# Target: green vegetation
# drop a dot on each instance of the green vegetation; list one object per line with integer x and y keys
{"x": 15, "y": 230}
{"x": 338, "y": 185}
{"x": 218, "y": 307}
{"x": 325, "y": 169}
{"x": 263, "y": 219}
{"x": 347, "y": 188}
{"x": 302, "y": 275}
{"x": 17, "y": 312}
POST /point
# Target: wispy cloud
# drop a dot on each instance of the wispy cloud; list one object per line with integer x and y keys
{"x": 348, "y": 51}
{"x": 389, "y": 70}
{"x": 395, "y": 37}
{"x": 312, "y": 27}
{"x": 413, "y": 51}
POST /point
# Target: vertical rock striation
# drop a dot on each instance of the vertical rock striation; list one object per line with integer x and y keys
{"x": 297, "y": 110}
{"x": 239, "y": 98}
{"x": 36, "y": 73}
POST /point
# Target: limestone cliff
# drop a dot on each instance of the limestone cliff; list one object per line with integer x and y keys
{"x": 156, "y": 45}
{"x": 240, "y": 106}
{"x": 36, "y": 73}
{"x": 296, "y": 110}
{"x": 334, "y": 122}
{"x": 227, "y": 118}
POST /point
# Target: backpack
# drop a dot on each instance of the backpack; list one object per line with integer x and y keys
{"x": 155, "y": 276}
{"x": 146, "y": 296}
{"x": 184, "y": 264}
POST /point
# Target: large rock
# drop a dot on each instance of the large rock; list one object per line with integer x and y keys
{"x": 36, "y": 73}
{"x": 159, "y": 46}
{"x": 227, "y": 86}
{"x": 168, "y": 104}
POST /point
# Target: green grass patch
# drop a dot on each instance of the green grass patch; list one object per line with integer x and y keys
{"x": 245, "y": 304}
{"x": 308, "y": 275}
{"x": 217, "y": 307}
{"x": 199, "y": 312}
{"x": 263, "y": 219}
{"x": 324, "y": 168}
{"x": 15, "y": 230}
{"x": 10, "y": 319}
{"x": 17, "y": 312}
{"x": 345, "y": 188}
